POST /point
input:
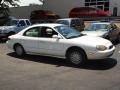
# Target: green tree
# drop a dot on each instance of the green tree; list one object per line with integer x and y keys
{"x": 5, "y": 4}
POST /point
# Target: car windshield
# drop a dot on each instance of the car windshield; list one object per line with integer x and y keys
{"x": 68, "y": 32}
{"x": 11, "y": 23}
{"x": 97, "y": 27}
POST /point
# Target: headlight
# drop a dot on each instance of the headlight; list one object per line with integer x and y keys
{"x": 101, "y": 47}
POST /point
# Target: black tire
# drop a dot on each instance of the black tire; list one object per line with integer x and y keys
{"x": 76, "y": 57}
{"x": 19, "y": 50}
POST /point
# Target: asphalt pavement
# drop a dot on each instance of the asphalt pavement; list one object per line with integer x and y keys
{"x": 35, "y": 72}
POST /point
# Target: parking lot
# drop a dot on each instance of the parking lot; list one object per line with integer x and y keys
{"x": 33, "y": 72}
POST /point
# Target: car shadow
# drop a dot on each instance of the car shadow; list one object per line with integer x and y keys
{"x": 104, "y": 64}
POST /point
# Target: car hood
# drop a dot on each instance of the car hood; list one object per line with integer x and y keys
{"x": 91, "y": 40}
{"x": 94, "y": 33}
{"x": 7, "y": 27}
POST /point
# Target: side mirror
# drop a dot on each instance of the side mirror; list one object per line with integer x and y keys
{"x": 57, "y": 36}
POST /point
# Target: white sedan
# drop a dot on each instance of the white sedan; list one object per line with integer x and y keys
{"x": 59, "y": 40}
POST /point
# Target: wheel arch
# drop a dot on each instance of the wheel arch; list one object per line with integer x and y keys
{"x": 75, "y": 48}
{"x": 16, "y": 45}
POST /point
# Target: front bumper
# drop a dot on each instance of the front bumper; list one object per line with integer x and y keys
{"x": 100, "y": 54}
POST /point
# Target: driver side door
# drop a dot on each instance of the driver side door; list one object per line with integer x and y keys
{"x": 49, "y": 45}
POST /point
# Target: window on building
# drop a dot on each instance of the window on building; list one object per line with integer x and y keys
{"x": 102, "y": 4}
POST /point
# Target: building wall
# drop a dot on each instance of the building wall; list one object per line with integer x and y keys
{"x": 23, "y": 12}
{"x": 62, "y": 7}
{"x": 115, "y": 3}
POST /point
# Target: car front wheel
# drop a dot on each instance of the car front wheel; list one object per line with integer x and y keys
{"x": 19, "y": 50}
{"x": 76, "y": 57}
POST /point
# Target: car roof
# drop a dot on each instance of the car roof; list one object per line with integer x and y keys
{"x": 52, "y": 25}
{"x": 85, "y": 7}
{"x": 68, "y": 18}
{"x": 102, "y": 23}
{"x": 20, "y": 19}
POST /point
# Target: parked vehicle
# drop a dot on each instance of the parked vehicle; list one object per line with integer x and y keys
{"x": 61, "y": 41}
{"x": 76, "y": 23}
{"x": 13, "y": 26}
{"x": 87, "y": 12}
{"x": 106, "y": 30}
{"x": 43, "y": 14}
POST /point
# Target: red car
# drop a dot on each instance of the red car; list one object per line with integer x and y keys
{"x": 43, "y": 14}
{"x": 87, "y": 12}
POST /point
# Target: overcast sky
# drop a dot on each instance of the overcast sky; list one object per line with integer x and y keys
{"x": 27, "y": 2}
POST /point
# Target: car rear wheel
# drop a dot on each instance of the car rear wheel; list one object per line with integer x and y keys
{"x": 19, "y": 50}
{"x": 76, "y": 57}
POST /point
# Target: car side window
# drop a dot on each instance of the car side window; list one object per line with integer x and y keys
{"x": 33, "y": 32}
{"x": 47, "y": 32}
{"x": 21, "y": 23}
{"x": 27, "y": 22}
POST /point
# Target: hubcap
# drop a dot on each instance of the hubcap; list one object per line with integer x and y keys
{"x": 76, "y": 58}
